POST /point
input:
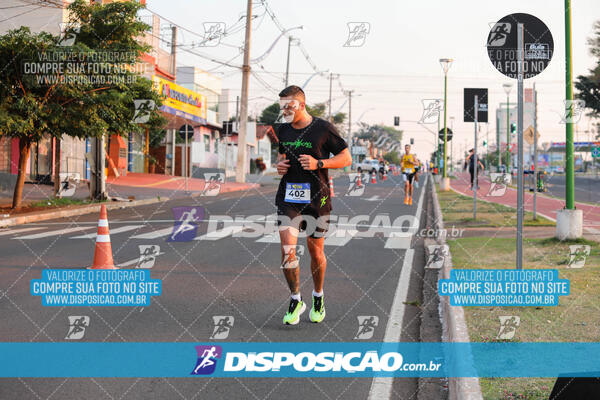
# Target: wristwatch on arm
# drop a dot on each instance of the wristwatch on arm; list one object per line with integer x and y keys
{"x": 320, "y": 164}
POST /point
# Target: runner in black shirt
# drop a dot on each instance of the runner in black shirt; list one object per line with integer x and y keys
{"x": 302, "y": 201}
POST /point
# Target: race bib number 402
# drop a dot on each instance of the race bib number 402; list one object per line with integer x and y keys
{"x": 297, "y": 192}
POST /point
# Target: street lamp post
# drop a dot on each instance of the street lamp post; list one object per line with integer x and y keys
{"x": 569, "y": 221}
{"x": 445, "y": 63}
{"x": 507, "y": 87}
{"x": 452, "y": 147}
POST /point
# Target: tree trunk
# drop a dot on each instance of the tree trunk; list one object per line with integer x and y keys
{"x": 57, "y": 182}
{"x": 24, "y": 149}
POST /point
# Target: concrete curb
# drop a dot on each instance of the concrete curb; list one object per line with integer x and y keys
{"x": 454, "y": 326}
{"x": 45, "y": 215}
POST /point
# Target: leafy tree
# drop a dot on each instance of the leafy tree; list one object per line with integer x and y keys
{"x": 269, "y": 115}
{"x": 34, "y": 106}
{"x": 392, "y": 157}
{"x": 31, "y": 111}
{"x": 373, "y": 132}
{"x": 589, "y": 85}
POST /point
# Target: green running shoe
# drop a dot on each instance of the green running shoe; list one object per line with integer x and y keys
{"x": 292, "y": 316}
{"x": 317, "y": 313}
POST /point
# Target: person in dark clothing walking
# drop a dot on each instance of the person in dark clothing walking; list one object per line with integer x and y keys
{"x": 470, "y": 161}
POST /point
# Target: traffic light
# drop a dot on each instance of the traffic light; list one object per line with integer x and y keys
{"x": 396, "y": 121}
{"x": 412, "y": 141}
{"x": 484, "y": 143}
{"x": 513, "y": 128}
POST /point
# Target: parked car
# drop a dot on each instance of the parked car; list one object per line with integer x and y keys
{"x": 368, "y": 165}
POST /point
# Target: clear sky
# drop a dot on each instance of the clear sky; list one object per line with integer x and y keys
{"x": 398, "y": 65}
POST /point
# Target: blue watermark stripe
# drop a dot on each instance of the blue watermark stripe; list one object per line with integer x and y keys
{"x": 299, "y": 359}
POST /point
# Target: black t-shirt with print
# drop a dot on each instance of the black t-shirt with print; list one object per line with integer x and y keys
{"x": 318, "y": 139}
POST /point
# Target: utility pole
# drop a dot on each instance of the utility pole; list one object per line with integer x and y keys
{"x": 507, "y": 87}
{"x": 287, "y": 68}
{"x": 475, "y": 161}
{"x": 98, "y": 182}
{"x": 330, "y": 84}
{"x": 452, "y": 146}
{"x": 240, "y": 173}
{"x": 237, "y": 113}
{"x": 521, "y": 71}
{"x": 535, "y": 167}
{"x": 174, "y": 50}
{"x": 350, "y": 117}
{"x": 569, "y": 148}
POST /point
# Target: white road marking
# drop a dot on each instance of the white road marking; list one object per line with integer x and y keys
{"x": 374, "y": 198}
{"x": 270, "y": 238}
{"x": 11, "y": 231}
{"x": 154, "y": 234}
{"x": 340, "y": 237}
{"x": 125, "y": 228}
{"x": 381, "y": 388}
{"x": 399, "y": 240}
{"x": 221, "y": 233}
{"x": 53, "y": 233}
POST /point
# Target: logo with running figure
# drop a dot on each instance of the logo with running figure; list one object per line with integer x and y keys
{"x": 207, "y": 359}
{"x": 77, "y": 325}
{"x": 578, "y": 253}
{"x": 437, "y": 255}
{"x": 573, "y": 111}
{"x": 357, "y": 34}
{"x": 366, "y": 326}
{"x": 431, "y": 111}
{"x": 148, "y": 254}
{"x": 357, "y": 187}
{"x": 212, "y": 183}
{"x": 184, "y": 229}
{"x": 222, "y": 326}
{"x": 508, "y": 327}
{"x": 498, "y": 185}
{"x": 323, "y": 200}
{"x": 498, "y": 34}
{"x": 298, "y": 143}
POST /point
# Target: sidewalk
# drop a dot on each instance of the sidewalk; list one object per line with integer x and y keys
{"x": 151, "y": 185}
{"x": 546, "y": 206}
{"x": 129, "y": 191}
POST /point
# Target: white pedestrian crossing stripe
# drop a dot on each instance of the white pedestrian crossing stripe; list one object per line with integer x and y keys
{"x": 15, "y": 231}
{"x": 399, "y": 240}
{"x": 154, "y": 234}
{"x": 125, "y": 228}
{"x": 54, "y": 233}
{"x": 336, "y": 236}
{"x": 221, "y": 233}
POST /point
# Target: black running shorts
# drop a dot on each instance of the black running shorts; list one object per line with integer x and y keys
{"x": 307, "y": 219}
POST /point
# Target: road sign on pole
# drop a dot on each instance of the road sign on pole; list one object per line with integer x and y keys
{"x": 521, "y": 70}
{"x": 520, "y": 46}
{"x": 469, "y": 101}
{"x": 448, "y": 134}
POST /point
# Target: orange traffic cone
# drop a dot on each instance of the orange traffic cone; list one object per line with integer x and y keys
{"x": 103, "y": 258}
{"x": 384, "y": 175}
{"x": 373, "y": 179}
{"x": 331, "y": 193}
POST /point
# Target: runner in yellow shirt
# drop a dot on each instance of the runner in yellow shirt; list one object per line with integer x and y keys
{"x": 408, "y": 164}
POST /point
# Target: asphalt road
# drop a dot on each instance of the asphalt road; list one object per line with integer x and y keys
{"x": 586, "y": 188}
{"x": 231, "y": 276}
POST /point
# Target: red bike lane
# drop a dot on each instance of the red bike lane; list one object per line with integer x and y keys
{"x": 546, "y": 206}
